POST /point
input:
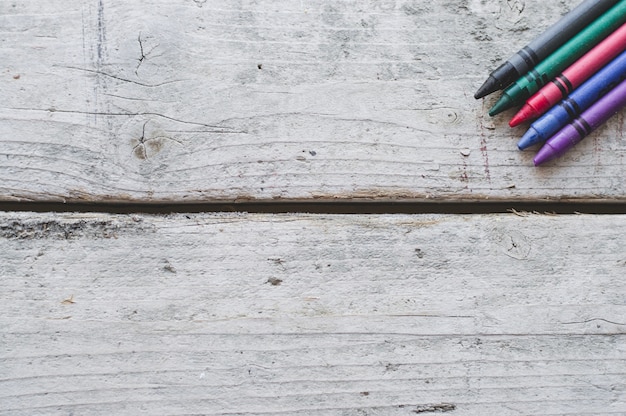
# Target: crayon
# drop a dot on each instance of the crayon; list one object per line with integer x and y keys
{"x": 549, "y": 68}
{"x": 572, "y": 77}
{"x": 587, "y": 122}
{"x": 581, "y": 99}
{"x": 546, "y": 43}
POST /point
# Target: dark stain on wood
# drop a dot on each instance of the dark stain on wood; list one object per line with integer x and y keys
{"x": 29, "y": 230}
{"x": 274, "y": 281}
{"x": 432, "y": 408}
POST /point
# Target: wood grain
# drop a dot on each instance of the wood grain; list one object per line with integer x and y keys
{"x": 316, "y": 315}
{"x": 153, "y": 101}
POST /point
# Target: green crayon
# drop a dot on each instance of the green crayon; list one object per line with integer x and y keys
{"x": 563, "y": 57}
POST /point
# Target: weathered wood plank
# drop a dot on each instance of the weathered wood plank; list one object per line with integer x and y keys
{"x": 201, "y": 101}
{"x": 323, "y": 315}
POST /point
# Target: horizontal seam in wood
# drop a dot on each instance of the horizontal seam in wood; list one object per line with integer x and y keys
{"x": 330, "y": 207}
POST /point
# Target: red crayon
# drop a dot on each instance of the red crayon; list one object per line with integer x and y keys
{"x": 572, "y": 77}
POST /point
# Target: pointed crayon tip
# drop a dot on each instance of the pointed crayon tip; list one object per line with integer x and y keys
{"x": 524, "y": 114}
{"x": 491, "y": 85}
{"x": 529, "y": 138}
{"x": 545, "y": 154}
{"x": 503, "y": 104}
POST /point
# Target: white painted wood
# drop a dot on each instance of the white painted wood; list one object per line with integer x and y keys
{"x": 201, "y": 100}
{"x": 317, "y": 315}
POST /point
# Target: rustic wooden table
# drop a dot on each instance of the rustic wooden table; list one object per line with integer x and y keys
{"x": 193, "y": 101}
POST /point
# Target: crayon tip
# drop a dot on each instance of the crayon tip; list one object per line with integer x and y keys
{"x": 504, "y": 103}
{"x": 524, "y": 114}
{"x": 529, "y": 138}
{"x": 489, "y": 86}
{"x": 545, "y": 154}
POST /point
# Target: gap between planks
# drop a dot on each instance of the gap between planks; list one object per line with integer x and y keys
{"x": 330, "y": 207}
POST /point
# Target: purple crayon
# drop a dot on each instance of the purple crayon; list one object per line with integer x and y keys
{"x": 581, "y": 126}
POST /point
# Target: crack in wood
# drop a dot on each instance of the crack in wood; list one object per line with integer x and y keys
{"x": 594, "y": 320}
{"x": 220, "y": 129}
{"x": 143, "y": 55}
{"x": 100, "y": 72}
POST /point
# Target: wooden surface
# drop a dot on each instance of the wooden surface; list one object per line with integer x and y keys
{"x": 183, "y": 101}
{"x": 202, "y": 101}
{"x": 309, "y": 314}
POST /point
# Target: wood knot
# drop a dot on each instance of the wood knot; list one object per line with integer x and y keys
{"x": 148, "y": 140}
{"x": 513, "y": 243}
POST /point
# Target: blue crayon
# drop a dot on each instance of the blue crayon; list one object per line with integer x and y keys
{"x": 578, "y": 101}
